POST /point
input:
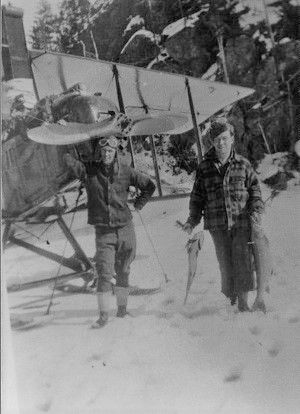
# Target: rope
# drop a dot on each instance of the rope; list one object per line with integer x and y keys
{"x": 34, "y": 117}
{"x": 32, "y": 234}
{"x": 63, "y": 254}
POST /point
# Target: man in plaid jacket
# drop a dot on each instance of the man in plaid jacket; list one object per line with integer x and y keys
{"x": 226, "y": 192}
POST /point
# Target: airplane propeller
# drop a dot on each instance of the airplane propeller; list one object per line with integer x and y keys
{"x": 70, "y": 133}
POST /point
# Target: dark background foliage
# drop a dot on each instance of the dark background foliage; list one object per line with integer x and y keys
{"x": 269, "y": 120}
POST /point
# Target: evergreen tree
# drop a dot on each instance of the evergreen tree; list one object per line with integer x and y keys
{"x": 76, "y": 28}
{"x": 43, "y": 32}
{"x": 110, "y": 24}
{"x": 289, "y": 24}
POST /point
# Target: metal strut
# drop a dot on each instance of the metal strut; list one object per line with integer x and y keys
{"x": 122, "y": 108}
{"x": 80, "y": 264}
{"x": 196, "y": 129}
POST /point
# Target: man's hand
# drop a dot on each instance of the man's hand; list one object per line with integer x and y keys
{"x": 256, "y": 217}
{"x": 185, "y": 227}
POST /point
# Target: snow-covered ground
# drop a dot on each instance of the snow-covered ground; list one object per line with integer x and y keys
{"x": 201, "y": 358}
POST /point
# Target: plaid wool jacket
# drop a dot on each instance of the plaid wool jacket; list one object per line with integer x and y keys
{"x": 224, "y": 199}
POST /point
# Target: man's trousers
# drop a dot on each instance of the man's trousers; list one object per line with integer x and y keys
{"x": 235, "y": 260}
{"x": 115, "y": 251}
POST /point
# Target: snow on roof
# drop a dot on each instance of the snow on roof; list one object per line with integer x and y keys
{"x": 134, "y": 21}
{"x": 182, "y": 23}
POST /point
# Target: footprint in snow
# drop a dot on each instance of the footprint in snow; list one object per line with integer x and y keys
{"x": 168, "y": 301}
{"x": 164, "y": 315}
{"x": 294, "y": 319}
{"x": 94, "y": 357}
{"x": 255, "y": 330}
{"x": 274, "y": 349}
{"x": 195, "y": 333}
{"x": 234, "y": 375}
{"x": 44, "y": 407}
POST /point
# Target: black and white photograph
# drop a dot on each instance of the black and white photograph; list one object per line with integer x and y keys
{"x": 150, "y": 200}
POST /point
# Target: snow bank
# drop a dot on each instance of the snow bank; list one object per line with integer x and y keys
{"x": 167, "y": 358}
{"x": 271, "y": 164}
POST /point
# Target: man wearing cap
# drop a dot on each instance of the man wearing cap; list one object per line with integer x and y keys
{"x": 107, "y": 183}
{"x": 226, "y": 192}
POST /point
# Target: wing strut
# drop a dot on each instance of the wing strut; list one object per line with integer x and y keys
{"x": 196, "y": 129}
{"x": 153, "y": 150}
{"x": 122, "y": 108}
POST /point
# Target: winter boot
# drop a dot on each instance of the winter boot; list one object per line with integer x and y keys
{"x": 233, "y": 299}
{"x": 102, "y": 321}
{"x": 122, "y": 298}
{"x": 243, "y": 302}
{"x": 122, "y": 311}
{"x": 103, "y": 301}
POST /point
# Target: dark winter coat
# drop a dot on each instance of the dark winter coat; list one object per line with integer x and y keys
{"x": 224, "y": 197}
{"x": 107, "y": 193}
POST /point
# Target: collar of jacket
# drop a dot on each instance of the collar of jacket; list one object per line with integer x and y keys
{"x": 211, "y": 155}
{"x": 115, "y": 167}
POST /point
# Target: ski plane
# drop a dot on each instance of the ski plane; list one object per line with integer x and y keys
{"x": 87, "y": 98}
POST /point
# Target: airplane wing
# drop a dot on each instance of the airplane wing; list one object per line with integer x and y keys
{"x": 142, "y": 90}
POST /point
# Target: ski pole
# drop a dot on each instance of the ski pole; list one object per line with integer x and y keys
{"x": 154, "y": 250}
